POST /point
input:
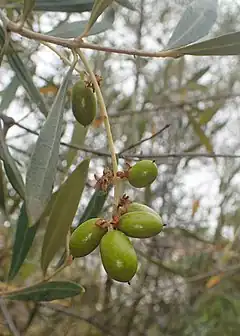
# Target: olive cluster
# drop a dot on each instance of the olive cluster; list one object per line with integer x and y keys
{"x": 117, "y": 253}
{"x": 131, "y": 219}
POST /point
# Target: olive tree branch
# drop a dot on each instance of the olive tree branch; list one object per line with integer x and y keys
{"x": 72, "y": 313}
{"x": 144, "y": 140}
{"x": 74, "y": 43}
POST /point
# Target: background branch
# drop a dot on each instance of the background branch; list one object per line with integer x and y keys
{"x": 138, "y": 156}
{"x": 75, "y": 44}
{"x": 8, "y": 318}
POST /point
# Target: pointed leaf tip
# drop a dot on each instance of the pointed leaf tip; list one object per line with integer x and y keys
{"x": 99, "y": 7}
{"x": 200, "y": 133}
{"x": 10, "y": 166}
{"x": 49, "y": 291}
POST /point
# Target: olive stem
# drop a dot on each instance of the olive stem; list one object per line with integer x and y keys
{"x": 104, "y": 115}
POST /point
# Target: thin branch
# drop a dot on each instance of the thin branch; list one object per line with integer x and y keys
{"x": 144, "y": 140}
{"x": 75, "y": 44}
{"x": 8, "y": 318}
{"x": 179, "y": 105}
{"x": 138, "y": 156}
{"x": 182, "y": 155}
{"x": 73, "y": 313}
{"x": 230, "y": 269}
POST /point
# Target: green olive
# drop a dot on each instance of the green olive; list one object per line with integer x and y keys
{"x": 84, "y": 104}
{"x": 118, "y": 256}
{"x": 132, "y": 207}
{"x": 140, "y": 224}
{"x": 142, "y": 174}
{"x": 86, "y": 238}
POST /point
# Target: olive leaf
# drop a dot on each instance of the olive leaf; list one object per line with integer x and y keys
{"x": 209, "y": 113}
{"x": 74, "y": 29}
{"x": 63, "y": 213}
{"x": 199, "y": 74}
{"x": 95, "y": 205}
{"x": 49, "y": 291}
{"x": 200, "y": 133}
{"x": 28, "y": 6}
{"x": 224, "y": 45}
{"x": 24, "y": 237}
{"x": 78, "y": 137}
{"x": 9, "y": 94}
{"x": 92, "y": 210}
{"x": 99, "y": 7}
{"x": 10, "y": 167}
{"x": 2, "y": 190}
{"x": 195, "y": 23}
{"x": 43, "y": 166}
{"x": 126, "y": 3}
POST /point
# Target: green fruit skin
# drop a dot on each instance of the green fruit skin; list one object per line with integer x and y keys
{"x": 86, "y": 238}
{"x": 140, "y": 224}
{"x": 142, "y": 174}
{"x": 84, "y": 104}
{"x": 118, "y": 256}
{"x": 141, "y": 207}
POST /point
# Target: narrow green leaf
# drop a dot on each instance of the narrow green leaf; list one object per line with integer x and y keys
{"x": 126, "y": 3}
{"x": 209, "y": 113}
{"x": 197, "y": 75}
{"x": 2, "y": 190}
{"x": 193, "y": 86}
{"x": 54, "y": 290}
{"x": 200, "y": 133}
{"x": 24, "y": 237}
{"x": 63, "y": 213}
{"x": 92, "y": 210}
{"x": 10, "y": 167}
{"x": 23, "y": 75}
{"x": 70, "y": 6}
{"x": 28, "y": 6}
{"x": 9, "y": 93}
{"x": 43, "y": 166}
{"x": 98, "y": 8}
{"x": 94, "y": 206}
{"x": 192, "y": 148}
{"x": 74, "y": 29}
{"x": 218, "y": 127}
{"x": 195, "y": 23}
{"x": 223, "y": 45}
{"x": 78, "y": 137}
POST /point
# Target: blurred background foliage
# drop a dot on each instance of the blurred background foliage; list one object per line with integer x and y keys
{"x": 188, "y": 282}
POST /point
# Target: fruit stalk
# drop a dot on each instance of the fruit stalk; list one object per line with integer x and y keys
{"x": 104, "y": 115}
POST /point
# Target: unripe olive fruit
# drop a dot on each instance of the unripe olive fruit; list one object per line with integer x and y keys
{"x": 86, "y": 238}
{"x": 140, "y": 224}
{"x": 84, "y": 104}
{"x": 118, "y": 256}
{"x": 143, "y": 173}
{"x": 134, "y": 206}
